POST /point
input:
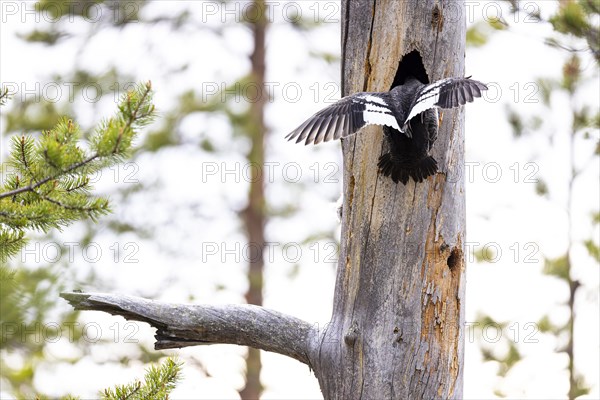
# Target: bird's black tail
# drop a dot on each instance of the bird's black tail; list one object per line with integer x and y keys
{"x": 401, "y": 169}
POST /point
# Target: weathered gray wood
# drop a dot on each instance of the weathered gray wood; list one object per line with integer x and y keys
{"x": 396, "y": 329}
{"x": 181, "y": 325}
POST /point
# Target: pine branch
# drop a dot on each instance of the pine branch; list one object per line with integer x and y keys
{"x": 158, "y": 383}
{"x": 32, "y": 187}
{"x": 49, "y": 186}
{"x": 133, "y": 117}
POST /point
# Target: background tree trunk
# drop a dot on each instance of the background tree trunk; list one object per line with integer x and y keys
{"x": 254, "y": 215}
{"x": 396, "y": 330}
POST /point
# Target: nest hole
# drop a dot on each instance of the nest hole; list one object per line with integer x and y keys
{"x": 411, "y": 64}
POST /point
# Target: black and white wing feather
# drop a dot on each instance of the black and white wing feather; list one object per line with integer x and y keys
{"x": 445, "y": 93}
{"x": 346, "y": 117}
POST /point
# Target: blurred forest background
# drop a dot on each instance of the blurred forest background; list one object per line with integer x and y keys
{"x": 215, "y": 206}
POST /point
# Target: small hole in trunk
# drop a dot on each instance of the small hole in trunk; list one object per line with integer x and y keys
{"x": 455, "y": 259}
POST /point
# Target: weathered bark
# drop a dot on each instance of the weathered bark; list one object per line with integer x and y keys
{"x": 397, "y": 325}
{"x": 254, "y": 215}
{"x": 182, "y": 325}
{"x": 396, "y": 330}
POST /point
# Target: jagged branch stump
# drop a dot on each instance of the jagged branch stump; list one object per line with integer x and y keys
{"x": 181, "y": 325}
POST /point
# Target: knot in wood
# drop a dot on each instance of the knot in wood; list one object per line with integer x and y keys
{"x": 351, "y": 335}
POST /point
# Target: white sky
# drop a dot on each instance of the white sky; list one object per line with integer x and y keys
{"x": 196, "y": 211}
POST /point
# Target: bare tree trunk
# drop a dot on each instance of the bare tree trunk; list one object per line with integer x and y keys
{"x": 399, "y": 297}
{"x": 254, "y": 214}
{"x": 398, "y": 316}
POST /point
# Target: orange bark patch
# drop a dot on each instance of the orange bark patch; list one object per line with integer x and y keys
{"x": 440, "y": 320}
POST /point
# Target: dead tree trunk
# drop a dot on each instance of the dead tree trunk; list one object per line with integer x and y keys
{"x": 397, "y": 325}
{"x": 399, "y": 296}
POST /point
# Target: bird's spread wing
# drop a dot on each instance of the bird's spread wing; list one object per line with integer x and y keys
{"x": 345, "y": 118}
{"x": 446, "y": 93}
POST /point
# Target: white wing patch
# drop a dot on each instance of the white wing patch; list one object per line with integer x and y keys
{"x": 374, "y": 114}
{"x": 427, "y": 99}
{"x": 346, "y": 117}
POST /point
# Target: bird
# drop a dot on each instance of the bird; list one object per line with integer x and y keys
{"x": 408, "y": 114}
